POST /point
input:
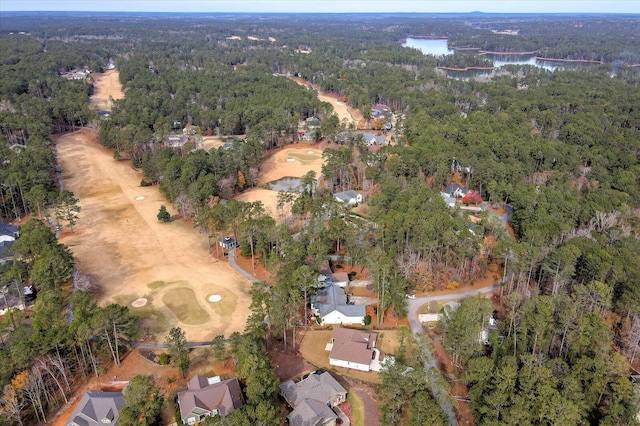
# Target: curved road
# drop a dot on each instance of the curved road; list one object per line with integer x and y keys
{"x": 429, "y": 362}
{"x": 234, "y": 265}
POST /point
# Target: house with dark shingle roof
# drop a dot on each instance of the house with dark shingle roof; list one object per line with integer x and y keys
{"x": 313, "y": 398}
{"x": 97, "y": 408}
{"x": 330, "y": 304}
{"x": 208, "y": 397}
{"x": 312, "y": 413}
{"x": 355, "y": 349}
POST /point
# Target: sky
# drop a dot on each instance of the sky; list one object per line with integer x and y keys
{"x": 330, "y": 6}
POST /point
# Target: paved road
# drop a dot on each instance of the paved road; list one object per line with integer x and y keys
{"x": 163, "y": 346}
{"x": 428, "y": 359}
{"x": 234, "y": 265}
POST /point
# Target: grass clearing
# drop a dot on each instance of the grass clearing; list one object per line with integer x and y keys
{"x": 155, "y": 285}
{"x": 357, "y": 409}
{"x": 182, "y": 302}
{"x": 312, "y": 349}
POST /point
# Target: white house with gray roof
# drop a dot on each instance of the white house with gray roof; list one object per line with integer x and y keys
{"x": 330, "y": 304}
{"x": 8, "y": 234}
{"x": 349, "y": 197}
{"x": 97, "y": 408}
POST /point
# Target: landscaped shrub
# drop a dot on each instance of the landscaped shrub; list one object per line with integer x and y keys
{"x": 163, "y": 359}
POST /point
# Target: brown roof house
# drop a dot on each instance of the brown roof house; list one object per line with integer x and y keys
{"x": 97, "y": 408}
{"x": 208, "y": 396}
{"x": 355, "y": 349}
{"x": 313, "y": 399}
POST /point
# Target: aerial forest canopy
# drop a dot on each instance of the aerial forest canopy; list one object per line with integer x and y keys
{"x": 561, "y": 149}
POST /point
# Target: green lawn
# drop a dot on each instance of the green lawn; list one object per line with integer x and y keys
{"x": 357, "y": 409}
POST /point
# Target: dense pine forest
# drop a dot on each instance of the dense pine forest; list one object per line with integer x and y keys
{"x": 560, "y": 149}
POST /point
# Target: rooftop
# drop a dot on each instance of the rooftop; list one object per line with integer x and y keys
{"x": 333, "y": 298}
{"x": 353, "y": 345}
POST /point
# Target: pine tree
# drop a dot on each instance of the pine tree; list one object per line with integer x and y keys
{"x": 163, "y": 215}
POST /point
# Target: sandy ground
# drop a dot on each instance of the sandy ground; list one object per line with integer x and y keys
{"x": 129, "y": 254}
{"x": 106, "y": 86}
{"x": 291, "y": 161}
{"x": 209, "y": 142}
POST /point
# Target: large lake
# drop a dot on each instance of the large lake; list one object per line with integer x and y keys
{"x": 439, "y": 47}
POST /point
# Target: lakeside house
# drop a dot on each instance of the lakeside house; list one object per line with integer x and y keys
{"x": 349, "y": 197}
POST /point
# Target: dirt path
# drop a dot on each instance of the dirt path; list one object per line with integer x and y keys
{"x": 129, "y": 254}
{"x": 107, "y": 88}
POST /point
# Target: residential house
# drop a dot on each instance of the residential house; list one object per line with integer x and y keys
{"x": 341, "y": 279}
{"x": 355, "y": 349}
{"x": 8, "y": 234}
{"x": 227, "y": 243}
{"x": 448, "y": 200}
{"x": 76, "y": 74}
{"x": 330, "y": 304}
{"x": 312, "y": 413}
{"x": 373, "y": 139}
{"x": 176, "y": 141}
{"x": 350, "y": 197}
{"x": 208, "y": 396}
{"x": 97, "y": 408}
{"x": 455, "y": 191}
{"x": 313, "y": 399}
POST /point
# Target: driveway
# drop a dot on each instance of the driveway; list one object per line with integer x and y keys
{"x": 428, "y": 359}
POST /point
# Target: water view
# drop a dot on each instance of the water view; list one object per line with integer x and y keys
{"x": 285, "y": 184}
{"x": 439, "y": 47}
{"x": 435, "y": 47}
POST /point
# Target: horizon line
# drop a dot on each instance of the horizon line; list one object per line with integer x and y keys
{"x": 318, "y": 13}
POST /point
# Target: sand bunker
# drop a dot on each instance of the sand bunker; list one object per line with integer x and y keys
{"x": 140, "y": 198}
{"x": 214, "y": 298}
{"x": 138, "y": 303}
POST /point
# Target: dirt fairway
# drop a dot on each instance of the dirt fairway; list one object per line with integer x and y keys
{"x": 344, "y": 112}
{"x": 129, "y": 254}
{"x": 107, "y": 88}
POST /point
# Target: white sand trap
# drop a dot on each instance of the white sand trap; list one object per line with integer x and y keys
{"x": 140, "y": 198}
{"x": 310, "y": 152}
{"x": 138, "y": 303}
{"x": 214, "y": 298}
{"x": 291, "y": 160}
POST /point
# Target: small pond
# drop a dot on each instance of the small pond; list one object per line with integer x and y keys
{"x": 285, "y": 184}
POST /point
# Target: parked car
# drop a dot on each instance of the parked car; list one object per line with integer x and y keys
{"x": 411, "y": 296}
